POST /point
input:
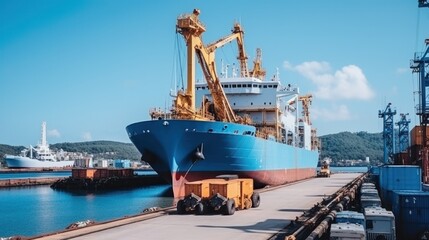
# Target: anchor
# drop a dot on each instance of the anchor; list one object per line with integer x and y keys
{"x": 198, "y": 155}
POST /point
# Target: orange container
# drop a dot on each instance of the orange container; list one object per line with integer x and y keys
{"x": 417, "y": 135}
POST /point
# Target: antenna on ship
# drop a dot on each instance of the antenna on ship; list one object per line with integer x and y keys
{"x": 43, "y": 138}
{"x": 277, "y": 74}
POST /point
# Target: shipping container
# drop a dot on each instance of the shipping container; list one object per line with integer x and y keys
{"x": 374, "y": 175}
{"x": 411, "y": 210}
{"x": 417, "y": 135}
{"x": 398, "y": 177}
{"x": 401, "y": 158}
{"x": 120, "y": 163}
{"x": 375, "y": 170}
{"x": 415, "y": 154}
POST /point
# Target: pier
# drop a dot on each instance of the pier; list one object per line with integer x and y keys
{"x": 280, "y": 206}
{"x": 19, "y": 182}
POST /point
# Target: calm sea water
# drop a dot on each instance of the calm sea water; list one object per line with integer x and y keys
{"x": 5, "y": 175}
{"x": 349, "y": 169}
{"x": 31, "y": 211}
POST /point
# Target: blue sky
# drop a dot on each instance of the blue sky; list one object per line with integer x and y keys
{"x": 90, "y": 68}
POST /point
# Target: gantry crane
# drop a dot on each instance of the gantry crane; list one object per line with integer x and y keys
{"x": 403, "y": 136}
{"x": 388, "y": 136}
{"x": 420, "y": 65}
{"x": 192, "y": 29}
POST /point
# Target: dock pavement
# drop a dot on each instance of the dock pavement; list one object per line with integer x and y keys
{"x": 279, "y": 206}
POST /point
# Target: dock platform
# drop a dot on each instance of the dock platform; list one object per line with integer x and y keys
{"x": 279, "y": 206}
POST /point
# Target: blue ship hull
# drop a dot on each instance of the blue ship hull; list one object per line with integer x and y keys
{"x": 175, "y": 148}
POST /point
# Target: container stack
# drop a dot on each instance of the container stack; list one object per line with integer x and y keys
{"x": 398, "y": 177}
{"x": 411, "y": 209}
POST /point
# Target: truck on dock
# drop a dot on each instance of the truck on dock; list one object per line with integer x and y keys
{"x": 222, "y": 194}
{"x": 324, "y": 170}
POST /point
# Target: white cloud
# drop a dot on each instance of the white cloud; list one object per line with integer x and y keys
{"x": 53, "y": 133}
{"x": 335, "y": 113}
{"x": 347, "y": 83}
{"x": 87, "y": 136}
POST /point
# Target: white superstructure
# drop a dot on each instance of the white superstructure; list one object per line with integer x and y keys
{"x": 40, "y": 156}
{"x": 267, "y": 103}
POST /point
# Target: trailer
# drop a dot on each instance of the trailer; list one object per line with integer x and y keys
{"x": 223, "y": 194}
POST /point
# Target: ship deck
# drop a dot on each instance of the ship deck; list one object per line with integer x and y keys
{"x": 278, "y": 208}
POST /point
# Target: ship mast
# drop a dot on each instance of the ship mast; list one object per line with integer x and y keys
{"x": 43, "y": 135}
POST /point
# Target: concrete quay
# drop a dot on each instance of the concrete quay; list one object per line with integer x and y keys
{"x": 279, "y": 206}
{"x": 19, "y": 182}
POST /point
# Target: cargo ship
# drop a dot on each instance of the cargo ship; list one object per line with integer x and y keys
{"x": 40, "y": 156}
{"x": 244, "y": 125}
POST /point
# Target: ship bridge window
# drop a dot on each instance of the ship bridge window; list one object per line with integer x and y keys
{"x": 239, "y": 85}
{"x": 270, "y": 86}
{"x": 249, "y": 85}
{"x": 275, "y": 86}
{"x": 260, "y": 86}
{"x": 254, "y": 85}
{"x": 203, "y": 87}
{"x": 226, "y": 86}
{"x": 234, "y": 85}
{"x": 265, "y": 86}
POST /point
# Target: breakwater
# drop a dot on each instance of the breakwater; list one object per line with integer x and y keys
{"x": 27, "y": 182}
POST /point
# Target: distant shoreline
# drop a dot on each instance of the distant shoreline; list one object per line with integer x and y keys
{"x": 33, "y": 170}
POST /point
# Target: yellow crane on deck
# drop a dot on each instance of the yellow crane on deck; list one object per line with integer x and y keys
{"x": 191, "y": 28}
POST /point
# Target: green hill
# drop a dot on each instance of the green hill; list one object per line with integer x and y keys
{"x": 6, "y": 149}
{"x": 352, "y": 146}
{"x": 100, "y": 149}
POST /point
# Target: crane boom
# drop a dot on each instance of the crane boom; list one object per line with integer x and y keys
{"x": 191, "y": 29}
{"x": 237, "y": 34}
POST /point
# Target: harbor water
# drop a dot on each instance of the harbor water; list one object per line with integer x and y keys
{"x": 37, "y": 210}
{"x": 31, "y": 211}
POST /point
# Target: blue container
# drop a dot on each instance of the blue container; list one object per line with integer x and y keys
{"x": 398, "y": 177}
{"x": 375, "y": 170}
{"x": 122, "y": 163}
{"x": 374, "y": 174}
{"x": 411, "y": 210}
